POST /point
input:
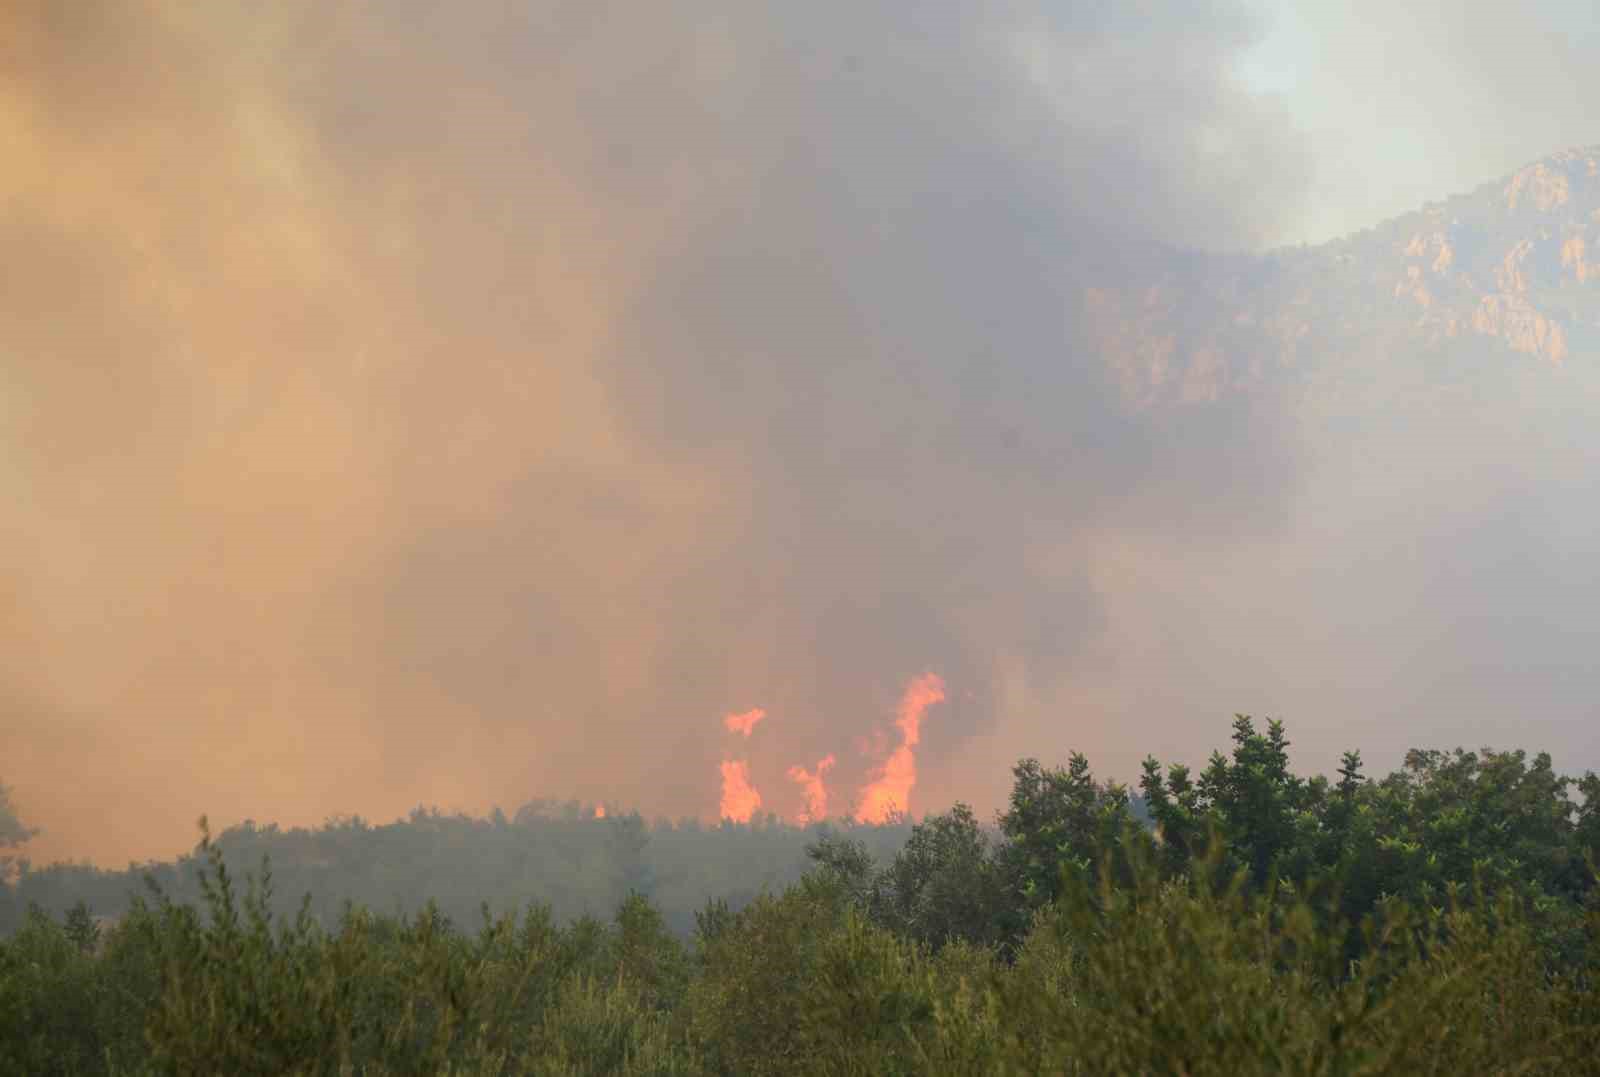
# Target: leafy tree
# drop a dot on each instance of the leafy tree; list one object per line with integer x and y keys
{"x": 1586, "y": 829}
{"x": 742, "y": 1006}
{"x": 1255, "y": 798}
{"x": 12, "y": 834}
{"x": 1060, "y": 821}
{"x": 849, "y": 868}
{"x": 12, "y": 830}
{"x": 945, "y": 884}
{"x": 1182, "y": 819}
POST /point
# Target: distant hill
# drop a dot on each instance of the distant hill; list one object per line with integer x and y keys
{"x": 1508, "y": 271}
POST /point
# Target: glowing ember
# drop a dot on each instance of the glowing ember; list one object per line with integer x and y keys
{"x": 890, "y": 788}
{"x": 815, "y": 792}
{"x": 739, "y": 798}
{"x": 744, "y": 723}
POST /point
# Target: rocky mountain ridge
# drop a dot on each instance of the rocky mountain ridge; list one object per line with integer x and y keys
{"x": 1513, "y": 266}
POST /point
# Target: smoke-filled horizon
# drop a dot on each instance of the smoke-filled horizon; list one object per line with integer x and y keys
{"x": 463, "y": 404}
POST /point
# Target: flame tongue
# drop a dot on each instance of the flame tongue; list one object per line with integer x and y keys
{"x": 815, "y": 792}
{"x": 890, "y": 789}
{"x": 887, "y": 794}
{"x": 744, "y": 723}
{"x": 739, "y": 798}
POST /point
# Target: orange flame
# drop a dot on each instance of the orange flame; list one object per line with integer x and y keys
{"x": 599, "y": 811}
{"x": 890, "y": 788}
{"x": 744, "y": 723}
{"x": 739, "y": 798}
{"x": 816, "y": 793}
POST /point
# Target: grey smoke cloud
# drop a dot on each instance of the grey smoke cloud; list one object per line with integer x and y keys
{"x": 861, "y": 322}
{"x": 458, "y": 404}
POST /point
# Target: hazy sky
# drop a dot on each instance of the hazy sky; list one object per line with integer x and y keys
{"x": 1405, "y": 103}
{"x": 410, "y": 402}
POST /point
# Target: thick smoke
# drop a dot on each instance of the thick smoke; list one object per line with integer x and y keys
{"x": 461, "y": 403}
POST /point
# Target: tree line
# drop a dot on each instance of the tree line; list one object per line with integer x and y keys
{"x": 1442, "y": 919}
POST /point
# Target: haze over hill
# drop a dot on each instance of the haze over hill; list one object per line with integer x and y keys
{"x": 481, "y": 403}
{"x": 1514, "y": 263}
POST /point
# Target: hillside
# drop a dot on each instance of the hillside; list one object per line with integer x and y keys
{"x": 1514, "y": 265}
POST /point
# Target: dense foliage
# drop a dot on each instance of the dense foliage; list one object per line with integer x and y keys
{"x": 1441, "y": 920}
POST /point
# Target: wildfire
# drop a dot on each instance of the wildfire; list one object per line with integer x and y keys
{"x": 887, "y": 792}
{"x": 890, "y": 788}
{"x": 744, "y": 723}
{"x": 816, "y": 793}
{"x": 739, "y": 798}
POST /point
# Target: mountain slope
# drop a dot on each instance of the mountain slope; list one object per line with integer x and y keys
{"x": 1514, "y": 265}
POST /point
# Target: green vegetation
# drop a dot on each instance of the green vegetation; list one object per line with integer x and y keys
{"x": 1445, "y": 919}
{"x": 557, "y": 855}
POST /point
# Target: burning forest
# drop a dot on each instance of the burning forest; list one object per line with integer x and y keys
{"x": 885, "y": 796}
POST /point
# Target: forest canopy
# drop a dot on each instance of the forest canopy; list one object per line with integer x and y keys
{"x": 1241, "y": 918}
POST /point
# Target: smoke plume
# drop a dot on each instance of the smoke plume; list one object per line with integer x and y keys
{"x": 413, "y": 402}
